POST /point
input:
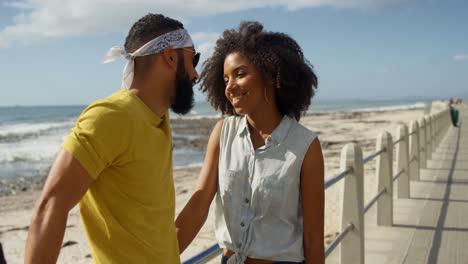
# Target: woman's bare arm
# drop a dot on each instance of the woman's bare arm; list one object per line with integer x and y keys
{"x": 195, "y": 212}
{"x": 313, "y": 203}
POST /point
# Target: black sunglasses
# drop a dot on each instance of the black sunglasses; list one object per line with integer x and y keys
{"x": 196, "y": 57}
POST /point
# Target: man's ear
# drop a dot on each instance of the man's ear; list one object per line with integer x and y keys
{"x": 170, "y": 57}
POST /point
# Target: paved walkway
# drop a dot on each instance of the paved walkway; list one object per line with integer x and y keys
{"x": 432, "y": 225}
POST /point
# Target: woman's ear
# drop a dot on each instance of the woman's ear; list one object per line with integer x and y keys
{"x": 269, "y": 92}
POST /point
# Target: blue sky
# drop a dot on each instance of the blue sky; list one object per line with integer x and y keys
{"x": 50, "y": 51}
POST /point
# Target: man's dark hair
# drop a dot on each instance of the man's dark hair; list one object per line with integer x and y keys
{"x": 148, "y": 28}
{"x": 276, "y": 55}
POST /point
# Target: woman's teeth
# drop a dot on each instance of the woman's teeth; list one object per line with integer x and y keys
{"x": 236, "y": 98}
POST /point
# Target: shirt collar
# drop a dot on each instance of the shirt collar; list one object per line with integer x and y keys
{"x": 278, "y": 134}
{"x": 243, "y": 127}
{"x": 149, "y": 115}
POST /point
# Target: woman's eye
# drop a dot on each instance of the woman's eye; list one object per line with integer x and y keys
{"x": 240, "y": 74}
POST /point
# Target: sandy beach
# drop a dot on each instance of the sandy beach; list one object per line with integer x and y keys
{"x": 17, "y": 197}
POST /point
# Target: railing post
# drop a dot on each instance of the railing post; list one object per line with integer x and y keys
{"x": 442, "y": 123}
{"x": 442, "y": 126}
{"x": 352, "y": 246}
{"x": 402, "y": 162}
{"x": 384, "y": 170}
{"x": 428, "y": 137}
{"x": 422, "y": 143}
{"x": 414, "y": 151}
{"x": 448, "y": 120}
{"x": 435, "y": 131}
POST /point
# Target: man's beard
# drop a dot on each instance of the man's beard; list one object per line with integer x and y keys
{"x": 184, "y": 97}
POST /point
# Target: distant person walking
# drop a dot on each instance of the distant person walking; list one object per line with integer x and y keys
{"x": 117, "y": 161}
{"x": 453, "y": 113}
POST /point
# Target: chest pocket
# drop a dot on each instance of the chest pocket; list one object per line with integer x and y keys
{"x": 278, "y": 188}
{"x": 270, "y": 196}
{"x": 230, "y": 193}
{"x": 229, "y": 186}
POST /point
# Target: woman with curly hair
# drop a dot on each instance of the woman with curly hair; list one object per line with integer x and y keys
{"x": 265, "y": 169}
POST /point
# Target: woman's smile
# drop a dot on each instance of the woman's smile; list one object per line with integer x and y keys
{"x": 238, "y": 98}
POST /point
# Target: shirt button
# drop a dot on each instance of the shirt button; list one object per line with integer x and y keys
{"x": 242, "y": 224}
{"x": 246, "y": 200}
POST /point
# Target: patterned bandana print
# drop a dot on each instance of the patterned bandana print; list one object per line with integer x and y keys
{"x": 175, "y": 39}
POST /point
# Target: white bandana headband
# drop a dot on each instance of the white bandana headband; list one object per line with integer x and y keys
{"x": 175, "y": 39}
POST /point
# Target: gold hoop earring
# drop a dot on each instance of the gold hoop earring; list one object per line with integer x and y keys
{"x": 265, "y": 95}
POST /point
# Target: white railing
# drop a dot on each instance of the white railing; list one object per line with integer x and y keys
{"x": 413, "y": 149}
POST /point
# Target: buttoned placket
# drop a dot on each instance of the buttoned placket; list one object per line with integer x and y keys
{"x": 247, "y": 215}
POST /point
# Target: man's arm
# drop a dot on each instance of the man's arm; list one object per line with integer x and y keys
{"x": 66, "y": 184}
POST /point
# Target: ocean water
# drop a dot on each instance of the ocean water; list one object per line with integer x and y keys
{"x": 31, "y": 136}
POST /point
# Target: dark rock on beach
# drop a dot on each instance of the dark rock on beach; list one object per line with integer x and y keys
{"x": 17, "y": 185}
{"x": 192, "y": 133}
{"x": 2, "y": 256}
{"x": 69, "y": 243}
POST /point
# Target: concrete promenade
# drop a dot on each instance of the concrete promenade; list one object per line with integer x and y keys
{"x": 431, "y": 226}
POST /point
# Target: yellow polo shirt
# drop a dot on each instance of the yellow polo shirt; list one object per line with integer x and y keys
{"x": 128, "y": 212}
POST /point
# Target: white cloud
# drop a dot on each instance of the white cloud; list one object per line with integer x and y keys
{"x": 204, "y": 43}
{"x": 460, "y": 57}
{"x": 3, "y": 44}
{"x": 39, "y": 20}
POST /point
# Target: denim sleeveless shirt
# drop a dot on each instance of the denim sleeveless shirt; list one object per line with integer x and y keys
{"x": 258, "y": 209}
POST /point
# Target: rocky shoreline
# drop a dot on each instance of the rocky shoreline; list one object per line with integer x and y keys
{"x": 19, "y": 185}
{"x": 194, "y": 134}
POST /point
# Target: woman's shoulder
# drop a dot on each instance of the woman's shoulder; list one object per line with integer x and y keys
{"x": 231, "y": 127}
{"x": 300, "y": 131}
{"x": 232, "y": 121}
{"x": 232, "y": 118}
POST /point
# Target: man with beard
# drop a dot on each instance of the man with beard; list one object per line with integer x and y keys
{"x": 117, "y": 160}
